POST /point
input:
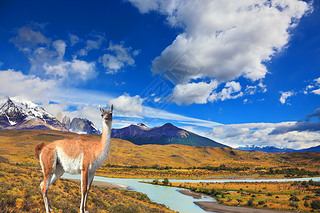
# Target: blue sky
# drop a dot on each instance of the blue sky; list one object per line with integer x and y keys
{"x": 241, "y": 73}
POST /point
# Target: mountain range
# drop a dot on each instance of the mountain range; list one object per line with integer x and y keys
{"x": 20, "y": 114}
{"x": 273, "y": 149}
{"x": 167, "y": 134}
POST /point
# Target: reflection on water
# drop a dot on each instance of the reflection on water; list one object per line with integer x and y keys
{"x": 170, "y": 196}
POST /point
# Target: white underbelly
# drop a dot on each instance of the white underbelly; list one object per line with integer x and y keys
{"x": 70, "y": 165}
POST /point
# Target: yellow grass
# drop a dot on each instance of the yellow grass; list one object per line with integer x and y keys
{"x": 20, "y": 192}
{"x": 271, "y": 195}
{"x": 18, "y": 147}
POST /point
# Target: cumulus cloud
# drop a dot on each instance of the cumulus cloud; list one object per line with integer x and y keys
{"x": 293, "y": 134}
{"x": 73, "y": 39}
{"x": 29, "y": 37}
{"x": 314, "y": 87}
{"x": 126, "y": 105}
{"x": 300, "y": 126}
{"x": 118, "y": 57}
{"x": 15, "y": 83}
{"x": 60, "y": 47}
{"x": 202, "y": 92}
{"x": 47, "y": 57}
{"x": 192, "y": 93}
{"x": 91, "y": 44}
{"x": 285, "y": 96}
{"x": 75, "y": 70}
{"x": 232, "y": 90}
{"x": 226, "y": 36}
{"x": 230, "y": 39}
{"x": 261, "y": 134}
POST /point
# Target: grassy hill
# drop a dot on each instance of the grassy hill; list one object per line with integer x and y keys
{"x": 18, "y": 146}
{"x": 20, "y": 175}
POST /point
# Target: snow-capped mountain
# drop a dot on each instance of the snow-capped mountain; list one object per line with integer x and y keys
{"x": 16, "y": 113}
{"x": 268, "y": 149}
{"x": 274, "y": 149}
{"x": 83, "y": 126}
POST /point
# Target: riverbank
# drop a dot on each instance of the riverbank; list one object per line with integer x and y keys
{"x": 219, "y": 208}
{"x": 105, "y": 184}
{"x": 210, "y": 206}
{"x": 274, "y": 196}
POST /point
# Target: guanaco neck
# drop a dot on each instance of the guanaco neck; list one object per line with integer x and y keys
{"x": 105, "y": 137}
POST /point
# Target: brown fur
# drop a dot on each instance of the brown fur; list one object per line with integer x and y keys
{"x": 38, "y": 149}
{"x": 91, "y": 153}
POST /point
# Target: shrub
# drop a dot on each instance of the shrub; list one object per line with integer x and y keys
{"x": 250, "y": 202}
{"x": 261, "y": 202}
{"x": 306, "y": 204}
{"x": 315, "y": 204}
{"x": 293, "y": 204}
{"x": 294, "y": 198}
{"x": 165, "y": 181}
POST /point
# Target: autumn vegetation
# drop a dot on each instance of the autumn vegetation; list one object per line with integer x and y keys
{"x": 303, "y": 196}
{"x": 20, "y": 175}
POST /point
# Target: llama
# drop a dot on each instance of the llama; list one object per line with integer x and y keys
{"x": 74, "y": 156}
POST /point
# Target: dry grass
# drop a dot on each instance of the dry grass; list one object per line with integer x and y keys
{"x": 18, "y": 146}
{"x": 20, "y": 192}
{"x": 289, "y": 196}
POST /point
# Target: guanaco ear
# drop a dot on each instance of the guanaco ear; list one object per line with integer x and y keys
{"x": 111, "y": 108}
{"x": 101, "y": 109}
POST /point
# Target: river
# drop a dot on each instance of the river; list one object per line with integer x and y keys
{"x": 170, "y": 196}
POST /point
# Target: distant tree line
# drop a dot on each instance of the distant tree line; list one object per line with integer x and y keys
{"x": 291, "y": 172}
{"x": 222, "y": 167}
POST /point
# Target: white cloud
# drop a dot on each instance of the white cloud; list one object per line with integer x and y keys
{"x": 60, "y": 47}
{"x": 73, "y": 39}
{"x": 91, "y": 44}
{"x": 226, "y": 36}
{"x": 314, "y": 87}
{"x": 47, "y": 58}
{"x": 236, "y": 135}
{"x": 29, "y": 37}
{"x": 285, "y": 96}
{"x": 193, "y": 92}
{"x": 71, "y": 71}
{"x": 125, "y": 105}
{"x": 15, "y": 83}
{"x": 230, "y": 39}
{"x": 232, "y": 90}
{"x": 118, "y": 57}
{"x": 202, "y": 93}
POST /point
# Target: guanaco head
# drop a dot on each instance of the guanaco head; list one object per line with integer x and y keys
{"x": 106, "y": 114}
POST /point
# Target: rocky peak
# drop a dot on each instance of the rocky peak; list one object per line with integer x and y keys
{"x": 83, "y": 126}
{"x": 23, "y": 114}
{"x": 143, "y": 126}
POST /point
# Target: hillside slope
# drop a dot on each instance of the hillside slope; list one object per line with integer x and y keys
{"x": 163, "y": 135}
{"x": 23, "y": 114}
{"x": 18, "y": 146}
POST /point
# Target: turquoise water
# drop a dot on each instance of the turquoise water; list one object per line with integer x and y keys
{"x": 170, "y": 196}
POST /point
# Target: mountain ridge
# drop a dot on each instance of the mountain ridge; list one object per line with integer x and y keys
{"x": 18, "y": 114}
{"x": 162, "y": 135}
{"x": 274, "y": 149}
